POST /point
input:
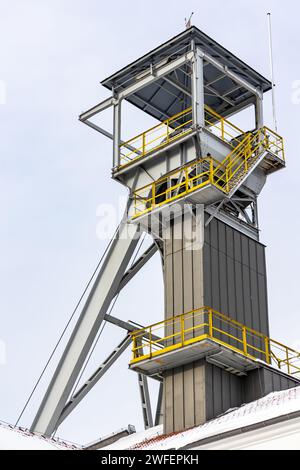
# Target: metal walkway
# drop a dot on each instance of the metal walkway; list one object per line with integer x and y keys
{"x": 208, "y": 333}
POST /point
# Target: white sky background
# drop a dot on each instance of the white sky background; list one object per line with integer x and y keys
{"x": 54, "y": 173}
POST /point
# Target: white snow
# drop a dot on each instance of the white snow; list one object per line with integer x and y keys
{"x": 15, "y": 438}
{"x": 274, "y": 405}
{"x": 136, "y": 438}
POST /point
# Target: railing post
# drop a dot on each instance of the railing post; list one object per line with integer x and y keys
{"x": 134, "y": 204}
{"x": 227, "y": 180}
{"x": 168, "y": 131}
{"x": 134, "y": 350}
{"x": 144, "y": 143}
{"x": 150, "y": 341}
{"x": 245, "y": 341}
{"x": 247, "y": 153}
{"x": 266, "y": 142}
{"x": 186, "y": 180}
{"x": 153, "y": 195}
{"x": 267, "y": 350}
{"x": 288, "y": 361}
{"x": 222, "y": 129}
{"x": 211, "y": 170}
{"x": 182, "y": 329}
{"x": 210, "y": 323}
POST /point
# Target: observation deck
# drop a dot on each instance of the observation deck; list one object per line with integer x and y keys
{"x": 207, "y": 333}
{"x": 204, "y": 180}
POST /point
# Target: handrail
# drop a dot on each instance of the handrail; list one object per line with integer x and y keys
{"x": 169, "y": 130}
{"x": 156, "y": 137}
{"x": 223, "y": 128}
{"x": 225, "y": 175}
{"x": 166, "y": 122}
{"x": 206, "y": 323}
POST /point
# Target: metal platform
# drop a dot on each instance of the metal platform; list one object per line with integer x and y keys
{"x": 207, "y": 333}
{"x": 210, "y": 349}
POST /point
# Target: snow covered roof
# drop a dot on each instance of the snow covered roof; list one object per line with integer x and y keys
{"x": 279, "y": 405}
{"x": 275, "y": 405}
{"x": 17, "y": 438}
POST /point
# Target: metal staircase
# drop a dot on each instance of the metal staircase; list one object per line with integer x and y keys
{"x": 262, "y": 147}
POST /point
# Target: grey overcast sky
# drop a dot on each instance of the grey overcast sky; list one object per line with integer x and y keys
{"x": 55, "y": 172}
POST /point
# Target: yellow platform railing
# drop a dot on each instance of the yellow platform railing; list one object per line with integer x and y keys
{"x": 172, "y": 129}
{"x": 222, "y": 127}
{"x": 156, "y": 137}
{"x": 207, "y": 324}
{"x": 225, "y": 175}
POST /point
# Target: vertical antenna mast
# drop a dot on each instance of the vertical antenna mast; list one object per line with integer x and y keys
{"x": 272, "y": 72}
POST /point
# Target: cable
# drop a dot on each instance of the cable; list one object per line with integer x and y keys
{"x": 65, "y": 329}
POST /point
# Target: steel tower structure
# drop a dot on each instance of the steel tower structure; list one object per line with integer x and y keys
{"x": 193, "y": 181}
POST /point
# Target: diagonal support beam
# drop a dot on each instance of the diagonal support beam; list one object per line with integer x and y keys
{"x": 179, "y": 86}
{"x": 110, "y": 136}
{"x": 97, "y": 109}
{"x": 128, "y": 326}
{"x": 120, "y": 323}
{"x": 216, "y": 93}
{"x": 104, "y": 367}
{"x": 82, "y": 338}
{"x": 234, "y": 76}
{"x": 216, "y": 210}
{"x": 156, "y": 74}
{"x": 91, "y": 382}
{"x": 135, "y": 268}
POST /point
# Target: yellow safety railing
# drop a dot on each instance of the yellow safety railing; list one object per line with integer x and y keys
{"x": 206, "y": 323}
{"x": 225, "y": 175}
{"x": 222, "y": 128}
{"x": 174, "y": 186}
{"x": 173, "y": 129}
{"x": 157, "y": 137}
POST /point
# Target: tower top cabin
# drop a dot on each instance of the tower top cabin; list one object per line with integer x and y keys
{"x": 197, "y": 150}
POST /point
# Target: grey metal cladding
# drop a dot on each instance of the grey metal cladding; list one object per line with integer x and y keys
{"x": 223, "y": 391}
{"x": 260, "y": 382}
{"x": 185, "y": 404}
{"x": 235, "y": 280}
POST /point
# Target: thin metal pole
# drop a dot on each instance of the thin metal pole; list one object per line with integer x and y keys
{"x": 272, "y": 71}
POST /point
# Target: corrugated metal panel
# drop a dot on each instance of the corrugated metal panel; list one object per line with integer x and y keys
{"x": 235, "y": 276}
{"x": 228, "y": 274}
{"x": 261, "y": 382}
{"x": 223, "y": 391}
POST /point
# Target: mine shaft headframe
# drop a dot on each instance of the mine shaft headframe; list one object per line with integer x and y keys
{"x": 189, "y": 70}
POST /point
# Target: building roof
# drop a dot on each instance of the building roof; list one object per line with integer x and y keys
{"x": 18, "y": 438}
{"x": 272, "y": 412}
{"x": 161, "y": 99}
{"x": 259, "y": 413}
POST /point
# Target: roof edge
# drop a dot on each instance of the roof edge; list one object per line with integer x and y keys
{"x": 192, "y": 31}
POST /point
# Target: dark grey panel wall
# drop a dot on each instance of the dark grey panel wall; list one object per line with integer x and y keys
{"x": 228, "y": 274}
{"x": 261, "y": 382}
{"x": 210, "y": 391}
{"x": 235, "y": 281}
{"x": 223, "y": 391}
